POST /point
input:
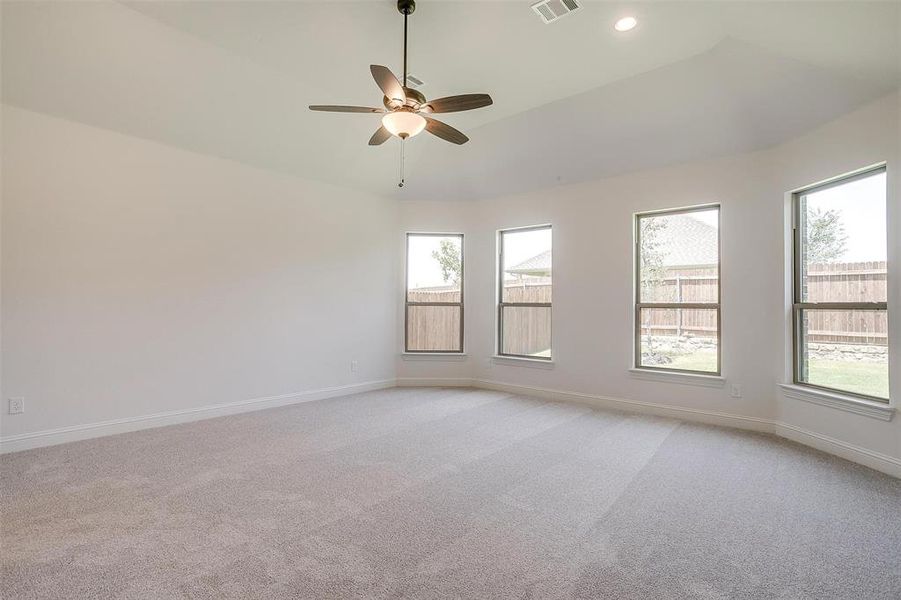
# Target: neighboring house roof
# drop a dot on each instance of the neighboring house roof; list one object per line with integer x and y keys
{"x": 687, "y": 241}
{"x": 539, "y": 265}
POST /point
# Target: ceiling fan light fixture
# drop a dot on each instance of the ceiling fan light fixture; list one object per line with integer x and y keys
{"x": 404, "y": 124}
{"x": 626, "y": 24}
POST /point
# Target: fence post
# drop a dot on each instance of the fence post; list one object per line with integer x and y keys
{"x": 679, "y": 299}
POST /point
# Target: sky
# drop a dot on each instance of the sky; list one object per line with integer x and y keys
{"x": 861, "y": 205}
{"x": 424, "y": 271}
{"x": 710, "y": 217}
{"x": 523, "y": 245}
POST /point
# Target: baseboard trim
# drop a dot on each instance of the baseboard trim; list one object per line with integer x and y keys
{"x": 62, "y": 435}
{"x": 435, "y": 382}
{"x": 51, "y": 437}
{"x": 662, "y": 410}
{"x": 862, "y": 456}
{"x": 857, "y": 454}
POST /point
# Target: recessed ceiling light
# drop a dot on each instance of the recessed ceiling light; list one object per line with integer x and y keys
{"x": 625, "y": 24}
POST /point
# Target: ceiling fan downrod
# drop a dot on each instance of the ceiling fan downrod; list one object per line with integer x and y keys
{"x": 406, "y": 8}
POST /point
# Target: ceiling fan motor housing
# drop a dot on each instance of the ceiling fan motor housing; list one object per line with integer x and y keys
{"x": 415, "y": 100}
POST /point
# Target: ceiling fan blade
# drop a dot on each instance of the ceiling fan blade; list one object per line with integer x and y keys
{"x": 380, "y": 136}
{"x": 388, "y": 83}
{"x": 345, "y": 109}
{"x": 444, "y": 131}
{"x": 459, "y": 103}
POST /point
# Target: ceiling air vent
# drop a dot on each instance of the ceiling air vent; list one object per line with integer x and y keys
{"x": 414, "y": 82}
{"x": 553, "y": 10}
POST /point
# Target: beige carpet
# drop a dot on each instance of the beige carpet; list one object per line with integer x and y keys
{"x": 437, "y": 493}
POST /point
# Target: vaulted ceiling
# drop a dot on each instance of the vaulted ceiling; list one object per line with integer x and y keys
{"x": 574, "y": 100}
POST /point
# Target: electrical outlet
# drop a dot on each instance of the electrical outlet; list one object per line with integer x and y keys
{"x": 16, "y": 406}
{"x": 353, "y": 366}
{"x": 735, "y": 391}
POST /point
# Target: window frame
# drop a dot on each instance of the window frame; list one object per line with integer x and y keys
{"x": 408, "y": 304}
{"x": 499, "y": 339}
{"x": 639, "y": 305}
{"x": 798, "y": 306}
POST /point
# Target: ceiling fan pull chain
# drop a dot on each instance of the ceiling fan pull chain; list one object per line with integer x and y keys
{"x": 403, "y": 144}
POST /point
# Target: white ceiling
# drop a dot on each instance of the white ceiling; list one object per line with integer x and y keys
{"x": 574, "y": 100}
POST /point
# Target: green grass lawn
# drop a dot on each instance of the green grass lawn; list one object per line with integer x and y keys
{"x": 698, "y": 361}
{"x": 868, "y": 378}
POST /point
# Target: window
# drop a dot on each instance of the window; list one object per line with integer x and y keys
{"x": 524, "y": 292}
{"x": 434, "y": 301}
{"x": 840, "y": 315}
{"x": 677, "y": 290}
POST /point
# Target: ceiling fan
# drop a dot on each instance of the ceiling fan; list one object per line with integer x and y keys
{"x": 406, "y": 110}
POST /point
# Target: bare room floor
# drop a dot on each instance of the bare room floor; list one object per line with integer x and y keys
{"x": 429, "y": 493}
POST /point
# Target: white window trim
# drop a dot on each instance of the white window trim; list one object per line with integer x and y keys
{"x": 677, "y": 375}
{"x": 498, "y": 357}
{"x": 461, "y": 304}
{"x": 521, "y": 361}
{"x": 882, "y": 409}
{"x": 859, "y": 406}
{"x": 434, "y": 356}
{"x": 681, "y": 377}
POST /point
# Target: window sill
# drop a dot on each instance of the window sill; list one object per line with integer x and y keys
{"x": 713, "y": 381}
{"x": 449, "y": 356}
{"x": 534, "y": 363}
{"x": 858, "y": 406}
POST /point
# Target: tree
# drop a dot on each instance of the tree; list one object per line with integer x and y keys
{"x": 652, "y": 273}
{"x": 448, "y": 256}
{"x": 652, "y": 269}
{"x": 826, "y": 239}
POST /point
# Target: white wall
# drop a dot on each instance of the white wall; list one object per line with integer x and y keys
{"x": 593, "y": 276}
{"x": 138, "y": 278}
{"x": 865, "y": 137}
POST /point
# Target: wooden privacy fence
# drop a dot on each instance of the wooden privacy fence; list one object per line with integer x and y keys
{"x": 830, "y": 282}
{"x": 686, "y": 321}
{"x": 682, "y": 285}
{"x": 866, "y": 327}
{"x": 527, "y": 330}
{"x": 530, "y": 328}
{"x": 846, "y": 282}
{"x": 433, "y": 327}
